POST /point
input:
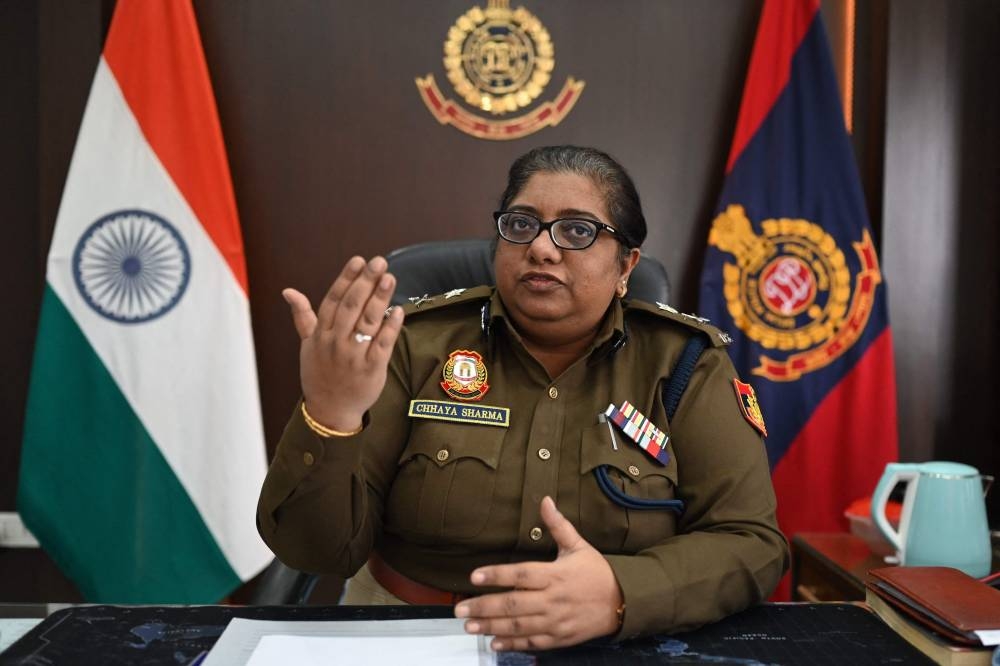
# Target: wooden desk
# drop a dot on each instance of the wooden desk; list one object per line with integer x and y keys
{"x": 830, "y": 566}
{"x": 833, "y": 566}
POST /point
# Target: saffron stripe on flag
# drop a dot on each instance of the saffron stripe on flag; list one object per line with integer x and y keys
{"x": 154, "y": 52}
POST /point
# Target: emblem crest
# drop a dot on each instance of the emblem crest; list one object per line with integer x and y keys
{"x": 464, "y": 375}
{"x": 747, "y": 398}
{"x": 499, "y": 61}
{"x": 790, "y": 290}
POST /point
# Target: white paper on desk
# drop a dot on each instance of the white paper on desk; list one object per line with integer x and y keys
{"x": 989, "y": 637}
{"x": 12, "y": 629}
{"x": 239, "y": 641}
{"x": 388, "y": 650}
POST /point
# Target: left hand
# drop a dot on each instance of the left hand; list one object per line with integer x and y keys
{"x": 552, "y": 604}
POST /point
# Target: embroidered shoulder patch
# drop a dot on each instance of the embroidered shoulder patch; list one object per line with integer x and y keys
{"x": 749, "y": 406}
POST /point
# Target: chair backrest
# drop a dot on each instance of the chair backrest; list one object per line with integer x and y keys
{"x": 439, "y": 266}
{"x": 281, "y": 585}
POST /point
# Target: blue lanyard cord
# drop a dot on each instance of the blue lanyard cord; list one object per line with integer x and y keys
{"x": 619, "y": 497}
{"x": 672, "y": 392}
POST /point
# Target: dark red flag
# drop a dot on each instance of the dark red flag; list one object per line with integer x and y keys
{"x": 791, "y": 272}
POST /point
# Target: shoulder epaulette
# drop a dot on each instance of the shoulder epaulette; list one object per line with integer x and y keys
{"x": 427, "y": 302}
{"x": 719, "y": 338}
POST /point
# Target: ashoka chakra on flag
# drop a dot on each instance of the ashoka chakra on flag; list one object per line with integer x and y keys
{"x": 131, "y": 266}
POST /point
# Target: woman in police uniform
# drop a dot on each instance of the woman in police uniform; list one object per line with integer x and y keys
{"x": 471, "y": 457}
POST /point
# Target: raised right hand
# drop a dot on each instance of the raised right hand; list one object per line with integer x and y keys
{"x": 341, "y": 375}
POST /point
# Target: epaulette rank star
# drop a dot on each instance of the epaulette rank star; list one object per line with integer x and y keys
{"x": 419, "y": 300}
{"x": 428, "y": 302}
{"x": 718, "y": 338}
{"x": 667, "y": 308}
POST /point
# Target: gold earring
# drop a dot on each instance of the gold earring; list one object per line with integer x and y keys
{"x": 622, "y": 289}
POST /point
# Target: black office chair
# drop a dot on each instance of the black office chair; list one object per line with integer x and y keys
{"x": 434, "y": 268}
{"x": 280, "y": 585}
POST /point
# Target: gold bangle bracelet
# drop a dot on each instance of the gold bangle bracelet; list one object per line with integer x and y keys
{"x": 322, "y": 430}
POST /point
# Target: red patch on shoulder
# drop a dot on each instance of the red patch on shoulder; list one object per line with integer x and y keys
{"x": 749, "y": 406}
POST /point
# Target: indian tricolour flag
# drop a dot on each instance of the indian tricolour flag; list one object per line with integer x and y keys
{"x": 143, "y": 446}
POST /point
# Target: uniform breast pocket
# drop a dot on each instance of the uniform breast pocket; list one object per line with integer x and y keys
{"x": 445, "y": 482}
{"x": 632, "y": 475}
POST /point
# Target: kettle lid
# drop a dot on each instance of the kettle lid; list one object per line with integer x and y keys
{"x": 946, "y": 468}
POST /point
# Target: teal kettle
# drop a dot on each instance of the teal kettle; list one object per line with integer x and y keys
{"x": 943, "y": 521}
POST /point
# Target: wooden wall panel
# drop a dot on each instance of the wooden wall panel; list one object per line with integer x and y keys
{"x": 970, "y": 430}
{"x": 333, "y": 152}
{"x": 942, "y": 215}
{"x": 49, "y": 50}
{"x": 18, "y": 184}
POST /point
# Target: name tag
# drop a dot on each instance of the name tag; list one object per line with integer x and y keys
{"x": 443, "y": 410}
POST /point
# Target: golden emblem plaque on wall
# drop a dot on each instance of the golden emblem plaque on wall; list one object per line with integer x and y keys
{"x": 499, "y": 62}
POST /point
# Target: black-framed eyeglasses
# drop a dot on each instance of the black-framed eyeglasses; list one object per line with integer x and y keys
{"x": 568, "y": 233}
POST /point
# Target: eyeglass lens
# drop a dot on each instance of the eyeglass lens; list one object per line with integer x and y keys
{"x": 570, "y": 234}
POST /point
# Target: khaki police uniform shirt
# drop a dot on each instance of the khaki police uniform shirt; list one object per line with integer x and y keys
{"x": 439, "y": 498}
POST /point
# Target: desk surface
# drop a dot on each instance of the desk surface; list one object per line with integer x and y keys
{"x": 175, "y": 635}
{"x": 833, "y": 566}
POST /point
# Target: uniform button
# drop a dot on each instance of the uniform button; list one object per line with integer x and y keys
{"x": 535, "y": 533}
{"x": 442, "y": 455}
{"x": 633, "y": 470}
{"x": 308, "y": 458}
{"x": 544, "y": 454}
{"x": 553, "y": 392}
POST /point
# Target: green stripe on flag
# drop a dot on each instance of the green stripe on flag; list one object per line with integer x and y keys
{"x": 95, "y": 489}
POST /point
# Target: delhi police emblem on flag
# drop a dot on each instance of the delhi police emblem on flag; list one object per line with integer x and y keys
{"x": 791, "y": 290}
{"x": 131, "y": 266}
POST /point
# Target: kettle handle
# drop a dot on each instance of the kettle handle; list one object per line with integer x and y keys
{"x": 894, "y": 473}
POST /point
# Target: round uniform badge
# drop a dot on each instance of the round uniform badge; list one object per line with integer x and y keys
{"x": 464, "y": 375}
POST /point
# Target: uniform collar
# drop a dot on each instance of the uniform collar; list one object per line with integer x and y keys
{"x": 611, "y": 336}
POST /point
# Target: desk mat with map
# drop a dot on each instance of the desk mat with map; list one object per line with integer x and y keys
{"x": 767, "y": 634}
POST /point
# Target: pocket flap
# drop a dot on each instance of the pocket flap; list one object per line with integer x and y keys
{"x": 632, "y": 462}
{"x": 446, "y": 442}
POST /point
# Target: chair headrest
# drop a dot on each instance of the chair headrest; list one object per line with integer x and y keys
{"x": 439, "y": 266}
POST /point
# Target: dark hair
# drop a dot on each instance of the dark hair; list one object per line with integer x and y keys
{"x": 614, "y": 182}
